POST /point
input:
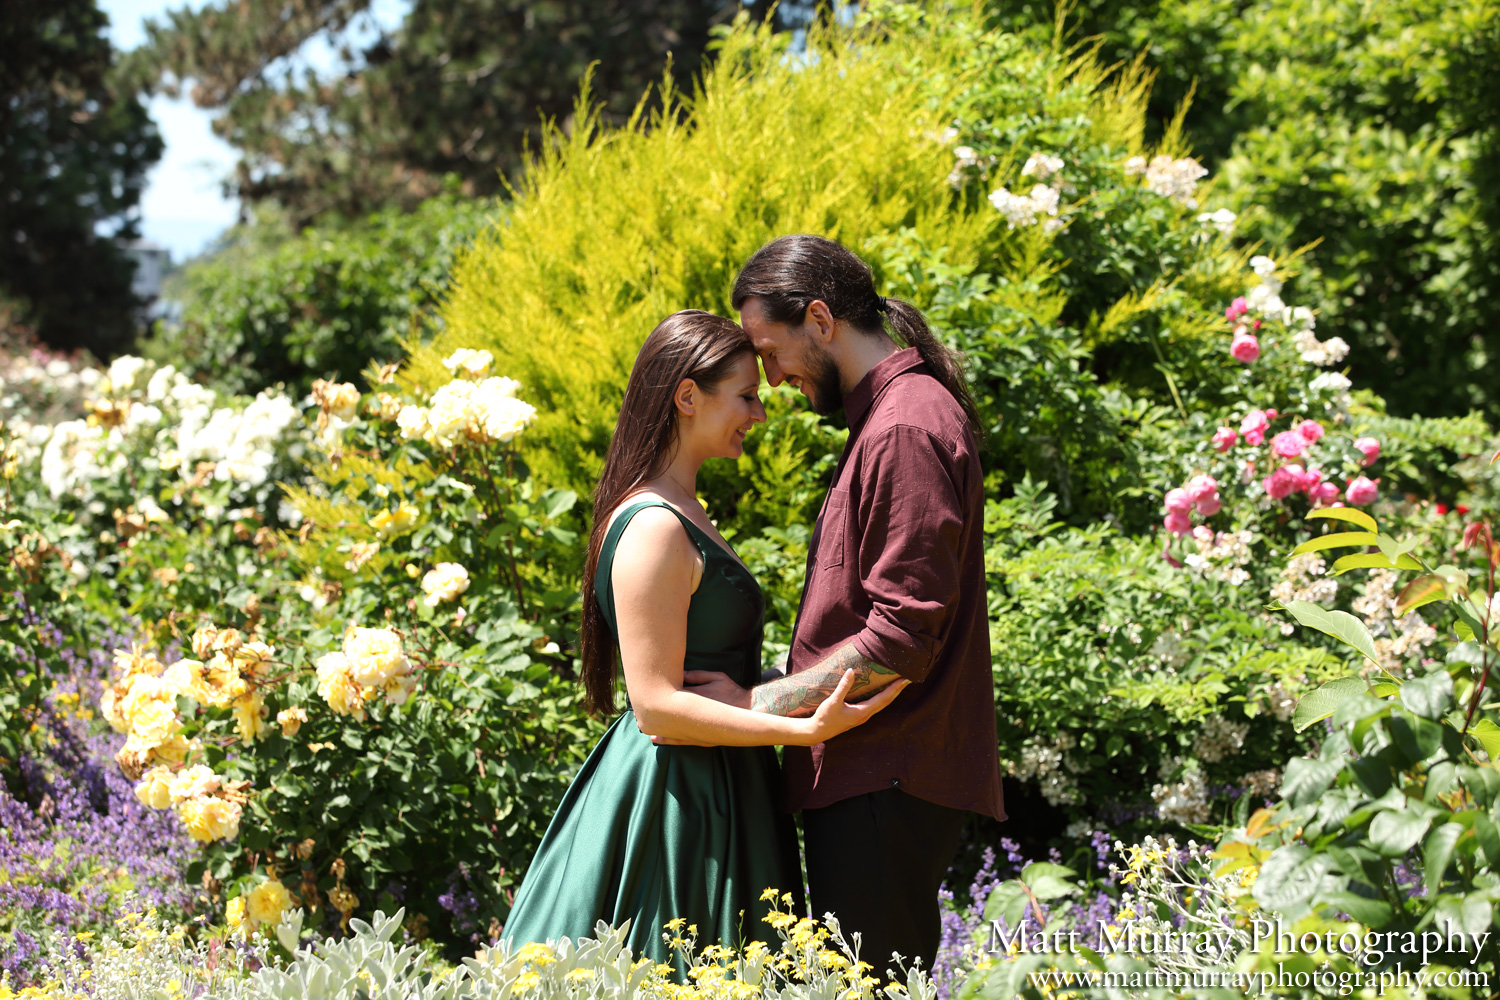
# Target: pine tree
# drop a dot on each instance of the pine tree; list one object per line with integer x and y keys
{"x": 458, "y": 88}
{"x": 74, "y": 150}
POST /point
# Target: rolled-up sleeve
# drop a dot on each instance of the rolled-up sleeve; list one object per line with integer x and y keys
{"x": 908, "y": 531}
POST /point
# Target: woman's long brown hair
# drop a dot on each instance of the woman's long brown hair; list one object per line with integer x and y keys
{"x": 689, "y": 344}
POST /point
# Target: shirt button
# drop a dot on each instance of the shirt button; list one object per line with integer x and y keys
{"x": 895, "y": 782}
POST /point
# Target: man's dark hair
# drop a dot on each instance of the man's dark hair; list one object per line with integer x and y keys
{"x": 790, "y": 272}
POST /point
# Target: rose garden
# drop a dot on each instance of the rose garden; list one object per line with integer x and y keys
{"x": 292, "y": 687}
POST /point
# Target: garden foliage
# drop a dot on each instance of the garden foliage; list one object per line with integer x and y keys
{"x": 355, "y": 677}
{"x": 277, "y": 306}
{"x": 1366, "y": 128}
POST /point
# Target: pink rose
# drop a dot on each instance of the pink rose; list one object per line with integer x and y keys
{"x": 1283, "y": 482}
{"x": 1240, "y": 306}
{"x": 1361, "y": 491}
{"x": 1272, "y": 414}
{"x": 1288, "y": 444}
{"x": 1210, "y": 505}
{"x": 1310, "y": 480}
{"x": 1177, "y": 523}
{"x": 1255, "y": 420}
{"x": 1200, "y": 487}
{"x": 1225, "y": 438}
{"x": 1324, "y": 492}
{"x": 1244, "y": 348}
{"x": 1371, "y": 449}
{"x": 1177, "y": 501}
{"x": 1310, "y": 430}
{"x": 1256, "y": 437}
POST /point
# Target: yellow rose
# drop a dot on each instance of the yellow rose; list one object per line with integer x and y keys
{"x": 132, "y": 661}
{"x": 154, "y": 723}
{"x": 388, "y": 523}
{"x": 343, "y": 399}
{"x": 444, "y": 582}
{"x": 290, "y": 720}
{"x": 192, "y": 783}
{"x": 154, "y": 789}
{"x": 209, "y": 819}
{"x": 234, "y": 913}
{"x": 143, "y": 690}
{"x": 109, "y": 704}
{"x": 254, "y": 653}
{"x": 374, "y": 655}
{"x": 398, "y": 689}
{"x": 173, "y": 750}
{"x": 267, "y": 902}
{"x": 250, "y": 717}
{"x": 185, "y": 678}
{"x": 203, "y": 641}
{"x": 336, "y": 687}
{"x": 133, "y": 758}
{"x": 224, "y": 681}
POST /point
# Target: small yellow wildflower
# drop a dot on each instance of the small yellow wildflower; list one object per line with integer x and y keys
{"x": 769, "y": 895}
{"x": 528, "y": 980}
{"x": 675, "y": 923}
{"x": 579, "y": 975}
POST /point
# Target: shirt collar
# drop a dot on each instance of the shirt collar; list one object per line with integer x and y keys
{"x": 857, "y": 401}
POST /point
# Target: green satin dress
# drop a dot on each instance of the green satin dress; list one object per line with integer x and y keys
{"x": 647, "y": 833}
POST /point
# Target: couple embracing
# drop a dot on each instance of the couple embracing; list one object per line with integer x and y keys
{"x": 886, "y": 707}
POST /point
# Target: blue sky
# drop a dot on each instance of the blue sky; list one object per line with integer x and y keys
{"x": 184, "y": 206}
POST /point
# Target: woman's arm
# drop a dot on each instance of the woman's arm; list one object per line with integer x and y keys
{"x": 655, "y": 572}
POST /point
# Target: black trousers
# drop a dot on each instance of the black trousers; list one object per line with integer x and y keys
{"x": 876, "y": 862}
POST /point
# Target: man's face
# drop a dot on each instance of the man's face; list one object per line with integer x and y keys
{"x": 790, "y": 355}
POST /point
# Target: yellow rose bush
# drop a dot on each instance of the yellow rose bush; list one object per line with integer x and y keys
{"x": 383, "y": 702}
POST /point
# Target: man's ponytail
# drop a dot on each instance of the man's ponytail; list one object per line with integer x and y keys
{"x": 907, "y": 322}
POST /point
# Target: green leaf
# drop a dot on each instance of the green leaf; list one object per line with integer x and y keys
{"x": 1337, "y": 540}
{"x": 1437, "y": 853}
{"x": 1007, "y": 902}
{"x": 1349, "y": 514}
{"x": 556, "y": 503}
{"x": 1488, "y": 735}
{"x": 1489, "y": 839}
{"x": 1370, "y": 912}
{"x": 1416, "y": 737}
{"x": 1037, "y": 869}
{"x": 1305, "y": 779}
{"x": 1051, "y": 887}
{"x": 1428, "y": 696}
{"x": 1319, "y": 704}
{"x": 1339, "y": 624}
{"x": 1371, "y": 560}
{"x": 1394, "y": 832}
{"x": 1422, "y": 590}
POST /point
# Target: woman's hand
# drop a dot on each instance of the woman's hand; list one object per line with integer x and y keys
{"x": 835, "y": 716}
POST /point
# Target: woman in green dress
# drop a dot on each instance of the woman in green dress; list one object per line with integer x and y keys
{"x": 648, "y": 833}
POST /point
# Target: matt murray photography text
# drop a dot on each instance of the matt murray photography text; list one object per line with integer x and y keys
{"x": 1369, "y": 947}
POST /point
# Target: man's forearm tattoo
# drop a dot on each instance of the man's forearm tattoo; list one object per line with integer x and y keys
{"x": 799, "y": 695}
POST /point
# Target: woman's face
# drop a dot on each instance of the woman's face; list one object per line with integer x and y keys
{"x": 722, "y": 418}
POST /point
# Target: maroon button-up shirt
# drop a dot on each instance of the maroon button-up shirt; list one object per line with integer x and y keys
{"x": 896, "y": 564}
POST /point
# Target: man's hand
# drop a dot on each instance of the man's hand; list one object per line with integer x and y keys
{"x": 709, "y": 684}
{"x": 716, "y": 685}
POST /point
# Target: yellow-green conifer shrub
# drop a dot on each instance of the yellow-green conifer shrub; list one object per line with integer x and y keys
{"x": 613, "y": 230}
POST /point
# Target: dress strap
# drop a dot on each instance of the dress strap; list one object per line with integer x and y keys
{"x": 604, "y": 571}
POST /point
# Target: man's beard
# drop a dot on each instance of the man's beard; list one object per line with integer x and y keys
{"x": 821, "y": 384}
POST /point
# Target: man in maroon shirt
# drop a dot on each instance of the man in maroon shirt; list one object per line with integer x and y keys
{"x": 895, "y": 588}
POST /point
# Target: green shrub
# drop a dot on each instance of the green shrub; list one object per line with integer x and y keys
{"x": 279, "y": 307}
{"x": 1365, "y": 127}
